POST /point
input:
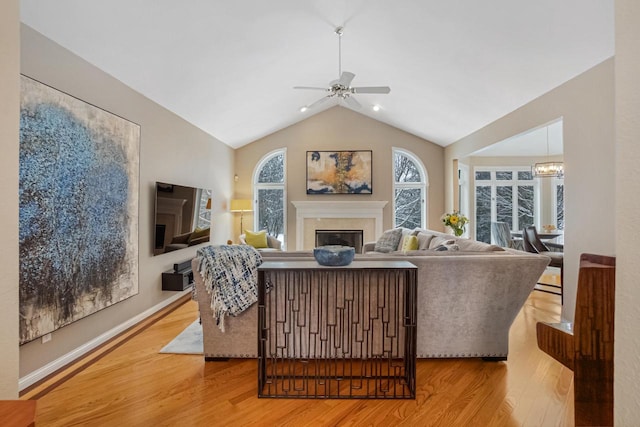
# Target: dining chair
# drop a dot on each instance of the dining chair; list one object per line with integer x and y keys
{"x": 501, "y": 234}
{"x": 533, "y": 244}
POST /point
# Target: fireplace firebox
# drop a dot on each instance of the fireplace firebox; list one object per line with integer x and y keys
{"x": 351, "y": 238}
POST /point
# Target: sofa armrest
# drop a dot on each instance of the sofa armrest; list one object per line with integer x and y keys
{"x": 368, "y": 247}
{"x": 274, "y": 243}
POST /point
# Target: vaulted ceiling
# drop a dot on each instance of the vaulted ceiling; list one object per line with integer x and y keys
{"x": 229, "y": 67}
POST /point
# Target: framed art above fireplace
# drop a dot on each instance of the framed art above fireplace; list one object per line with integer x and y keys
{"x": 339, "y": 172}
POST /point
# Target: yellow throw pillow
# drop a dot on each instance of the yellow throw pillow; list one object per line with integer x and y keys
{"x": 257, "y": 240}
{"x": 410, "y": 243}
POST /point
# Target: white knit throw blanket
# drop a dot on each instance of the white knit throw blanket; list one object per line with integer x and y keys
{"x": 230, "y": 276}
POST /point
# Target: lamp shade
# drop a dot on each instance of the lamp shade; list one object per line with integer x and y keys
{"x": 209, "y": 203}
{"x": 241, "y": 205}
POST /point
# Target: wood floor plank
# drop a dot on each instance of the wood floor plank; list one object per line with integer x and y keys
{"x": 135, "y": 385}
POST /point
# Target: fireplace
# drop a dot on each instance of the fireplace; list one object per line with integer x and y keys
{"x": 312, "y": 215}
{"x": 351, "y": 238}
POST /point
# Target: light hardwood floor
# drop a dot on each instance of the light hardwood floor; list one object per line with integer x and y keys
{"x": 134, "y": 385}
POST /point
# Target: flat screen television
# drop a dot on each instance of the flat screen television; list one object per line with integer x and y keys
{"x": 182, "y": 217}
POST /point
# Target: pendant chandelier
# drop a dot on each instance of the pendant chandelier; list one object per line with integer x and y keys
{"x": 548, "y": 169}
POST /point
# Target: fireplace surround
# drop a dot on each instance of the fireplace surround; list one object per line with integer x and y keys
{"x": 336, "y": 215}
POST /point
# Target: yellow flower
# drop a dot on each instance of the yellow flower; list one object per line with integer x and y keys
{"x": 453, "y": 220}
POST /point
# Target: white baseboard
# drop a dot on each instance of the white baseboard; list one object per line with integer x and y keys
{"x": 48, "y": 369}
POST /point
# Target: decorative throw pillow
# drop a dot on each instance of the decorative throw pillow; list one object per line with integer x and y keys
{"x": 257, "y": 240}
{"x": 447, "y": 247}
{"x": 409, "y": 243}
{"x": 423, "y": 240}
{"x": 389, "y": 241}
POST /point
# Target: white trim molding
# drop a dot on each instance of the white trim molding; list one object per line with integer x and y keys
{"x": 336, "y": 209}
{"x": 48, "y": 369}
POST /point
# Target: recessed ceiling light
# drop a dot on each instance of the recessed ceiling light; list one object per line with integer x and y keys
{"x": 376, "y": 108}
{"x": 303, "y": 109}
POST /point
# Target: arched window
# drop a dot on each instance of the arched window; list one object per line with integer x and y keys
{"x": 410, "y": 190}
{"x": 270, "y": 196}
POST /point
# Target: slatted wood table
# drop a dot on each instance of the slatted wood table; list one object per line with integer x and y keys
{"x": 337, "y": 332}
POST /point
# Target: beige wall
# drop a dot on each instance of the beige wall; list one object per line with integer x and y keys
{"x": 586, "y": 105}
{"x": 341, "y": 129}
{"x": 171, "y": 150}
{"x": 627, "y": 337}
{"x": 9, "y": 123}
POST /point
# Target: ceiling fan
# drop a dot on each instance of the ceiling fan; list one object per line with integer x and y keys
{"x": 340, "y": 89}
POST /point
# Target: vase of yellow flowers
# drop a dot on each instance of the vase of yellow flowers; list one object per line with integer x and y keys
{"x": 456, "y": 221}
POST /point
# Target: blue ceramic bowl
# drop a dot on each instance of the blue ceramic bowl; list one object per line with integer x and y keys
{"x": 334, "y": 255}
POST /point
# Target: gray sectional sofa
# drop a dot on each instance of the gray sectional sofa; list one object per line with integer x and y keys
{"x": 468, "y": 297}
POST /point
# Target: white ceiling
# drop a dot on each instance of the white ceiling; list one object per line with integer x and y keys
{"x": 541, "y": 141}
{"x": 229, "y": 67}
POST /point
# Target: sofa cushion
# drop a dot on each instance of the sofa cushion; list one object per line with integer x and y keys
{"x": 474, "y": 245}
{"x": 389, "y": 240}
{"x": 257, "y": 239}
{"x": 409, "y": 243}
{"x": 440, "y": 240}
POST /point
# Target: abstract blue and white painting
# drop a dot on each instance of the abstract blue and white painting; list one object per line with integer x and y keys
{"x": 79, "y": 179}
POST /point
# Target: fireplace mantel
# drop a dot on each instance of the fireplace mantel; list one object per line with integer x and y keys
{"x": 336, "y": 209}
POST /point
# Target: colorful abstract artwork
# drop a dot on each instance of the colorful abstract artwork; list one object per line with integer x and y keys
{"x": 339, "y": 172}
{"x": 79, "y": 173}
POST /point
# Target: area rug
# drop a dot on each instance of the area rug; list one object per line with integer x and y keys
{"x": 188, "y": 341}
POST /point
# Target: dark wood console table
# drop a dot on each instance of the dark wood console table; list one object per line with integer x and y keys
{"x": 337, "y": 332}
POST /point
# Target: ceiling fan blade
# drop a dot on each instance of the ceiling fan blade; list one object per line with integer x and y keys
{"x": 345, "y": 78}
{"x": 372, "y": 89}
{"x": 310, "y": 87}
{"x": 319, "y": 101}
{"x": 352, "y": 102}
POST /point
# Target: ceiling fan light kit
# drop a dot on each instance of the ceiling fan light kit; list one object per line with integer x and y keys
{"x": 341, "y": 89}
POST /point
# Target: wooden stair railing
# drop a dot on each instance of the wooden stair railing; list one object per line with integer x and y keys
{"x": 587, "y": 347}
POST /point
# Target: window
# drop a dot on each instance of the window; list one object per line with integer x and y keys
{"x": 463, "y": 188}
{"x": 270, "y": 195}
{"x": 505, "y": 194}
{"x": 558, "y": 199}
{"x": 202, "y": 214}
{"x": 409, "y": 188}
